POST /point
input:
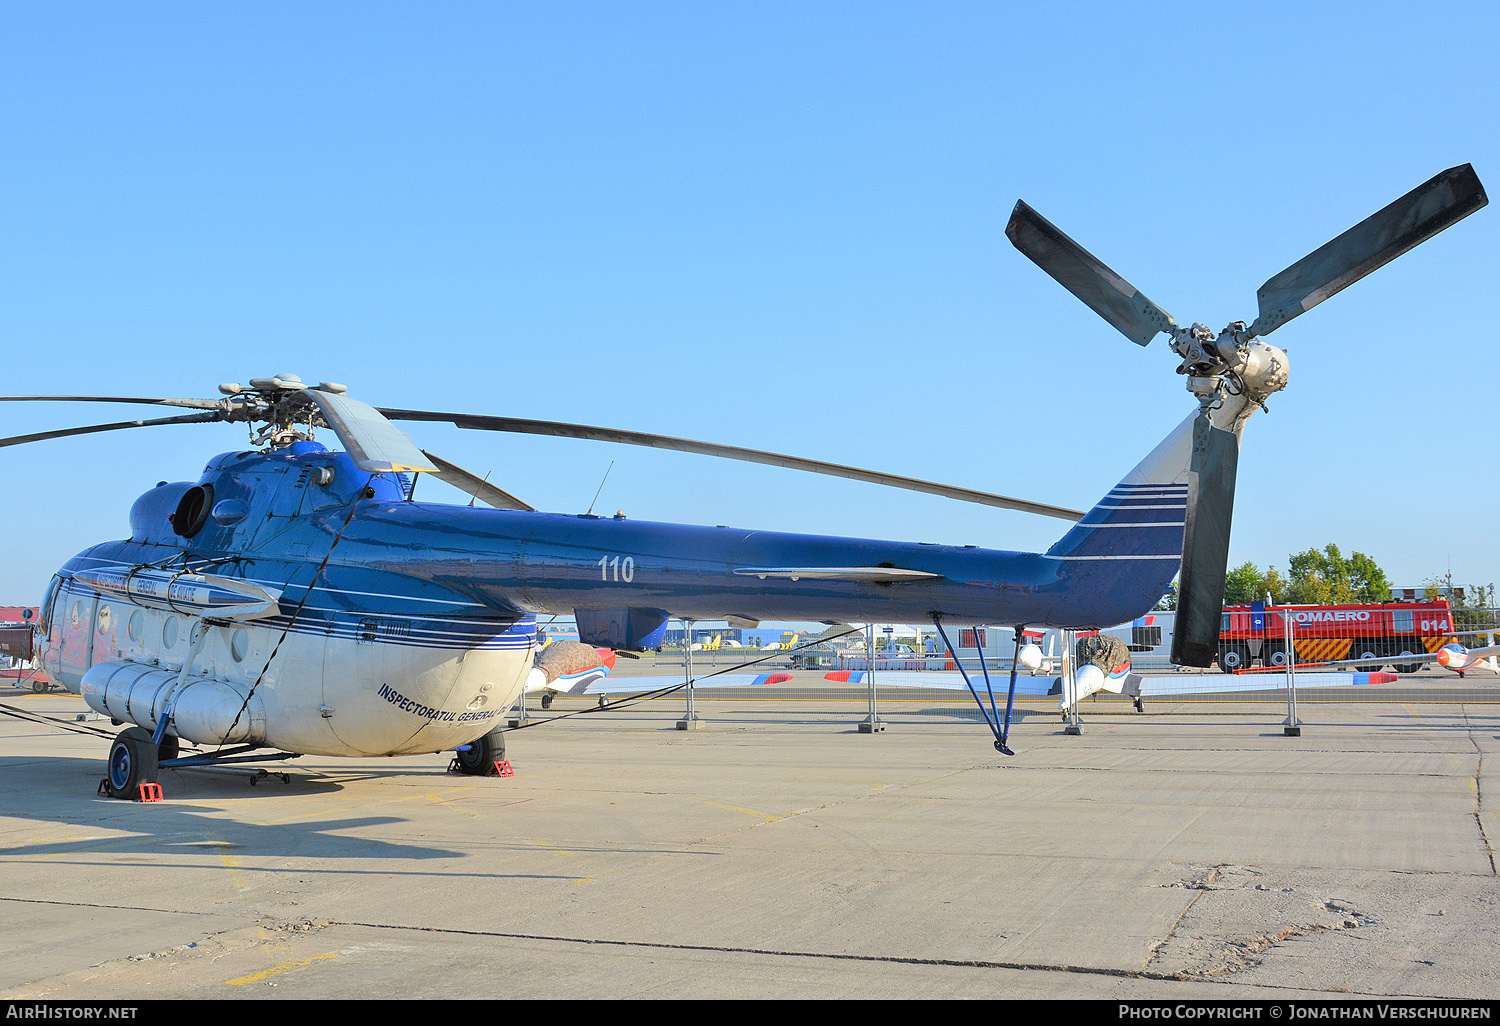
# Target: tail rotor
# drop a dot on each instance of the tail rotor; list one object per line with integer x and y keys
{"x": 1233, "y": 373}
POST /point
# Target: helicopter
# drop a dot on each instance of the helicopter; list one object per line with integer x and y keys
{"x": 298, "y": 599}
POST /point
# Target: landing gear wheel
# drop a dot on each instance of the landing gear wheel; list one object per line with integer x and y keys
{"x": 132, "y": 762}
{"x": 603, "y": 702}
{"x": 547, "y": 700}
{"x": 1366, "y": 650}
{"x": 39, "y": 687}
{"x": 1234, "y": 657}
{"x": 479, "y": 758}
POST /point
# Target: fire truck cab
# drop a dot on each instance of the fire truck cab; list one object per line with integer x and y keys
{"x": 1257, "y": 633}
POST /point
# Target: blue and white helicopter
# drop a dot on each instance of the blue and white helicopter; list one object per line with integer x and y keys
{"x": 296, "y": 599}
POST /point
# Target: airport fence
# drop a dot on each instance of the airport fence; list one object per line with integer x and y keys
{"x": 1306, "y": 659}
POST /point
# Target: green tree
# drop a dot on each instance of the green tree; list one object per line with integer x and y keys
{"x": 1477, "y": 610}
{"x": 1247, "y": 583}
{"x": 1473, "y": 607}
{"x": 1327, "y": 577}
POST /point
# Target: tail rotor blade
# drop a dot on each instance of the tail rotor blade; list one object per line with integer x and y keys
{"x": 1205, "y": 544}
{"x": 1378, "y": 239}
{"x": 1083, "y": 274}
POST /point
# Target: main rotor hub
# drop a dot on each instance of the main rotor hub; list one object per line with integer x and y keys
{"x": 278, "y": 405}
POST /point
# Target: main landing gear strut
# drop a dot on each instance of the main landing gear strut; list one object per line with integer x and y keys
{"x": 136, "y": 759}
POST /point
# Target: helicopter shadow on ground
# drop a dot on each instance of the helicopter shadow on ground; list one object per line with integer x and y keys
{"x": 191, "y": 820}
{"x": 78, "y": 827}
{"x": 970, "y": 714}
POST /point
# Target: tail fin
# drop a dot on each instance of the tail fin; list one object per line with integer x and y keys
{"x": 1142, "y": 518}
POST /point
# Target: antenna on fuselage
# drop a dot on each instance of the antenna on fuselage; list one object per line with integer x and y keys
{"x": 601, "y": 484}
{"x": 475, "y": 497}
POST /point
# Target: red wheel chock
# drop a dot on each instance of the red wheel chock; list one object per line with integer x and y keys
{"x": 150, "y": 793}
{"x": 502, "y": 769}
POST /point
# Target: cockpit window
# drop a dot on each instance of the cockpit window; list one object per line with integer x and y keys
{"x": 48, "y": 601}
{"x": 192, "y": 511}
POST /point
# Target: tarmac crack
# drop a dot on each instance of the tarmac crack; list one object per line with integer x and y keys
{"x": 1489, "y": 849}
{"x": 963, "y": 963}
{"x": 124, "y": 908}
{"x": 1160, "y": 946}
{"x": 1210, "y": 957}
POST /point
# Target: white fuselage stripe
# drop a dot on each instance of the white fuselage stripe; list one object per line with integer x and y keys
{"x": 1178, "y": 556}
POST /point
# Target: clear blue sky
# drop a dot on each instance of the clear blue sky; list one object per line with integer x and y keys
{"x": 779, "y": 225}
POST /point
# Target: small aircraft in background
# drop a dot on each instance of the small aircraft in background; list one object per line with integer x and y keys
{"x": 1451, "y": 656}
{"x": 575, "y": 670}
{"x": 1031, "y": 656}
{"x": 1120, "y": 679}
{"x": 567, "y": 668}
{"x": 1459, "y": 659}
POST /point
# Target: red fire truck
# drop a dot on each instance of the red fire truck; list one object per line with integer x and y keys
{"x": 1256, "y": 634}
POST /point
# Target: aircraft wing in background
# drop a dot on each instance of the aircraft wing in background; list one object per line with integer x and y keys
{"x": 1123, "y": 682}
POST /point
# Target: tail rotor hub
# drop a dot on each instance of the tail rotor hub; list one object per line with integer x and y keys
{"x": 1229, "y": 363}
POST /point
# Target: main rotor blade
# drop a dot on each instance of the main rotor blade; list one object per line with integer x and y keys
{"x": 476, "y": 486}
{"x": 1083, "y": 274}
{"x": 192, "y": 404}
{"x": 1378, "y": 239}
{"x": 372, "y": 441}
{"x": 40, "y": 436}
{"x": 733, "y": 452}
{"x": 1205, "y": 544}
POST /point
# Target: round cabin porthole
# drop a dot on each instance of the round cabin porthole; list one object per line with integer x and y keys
{"x": 239, "y": 644}
{"x": 133, "y": 627}
{"x": 169, "y": 632}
